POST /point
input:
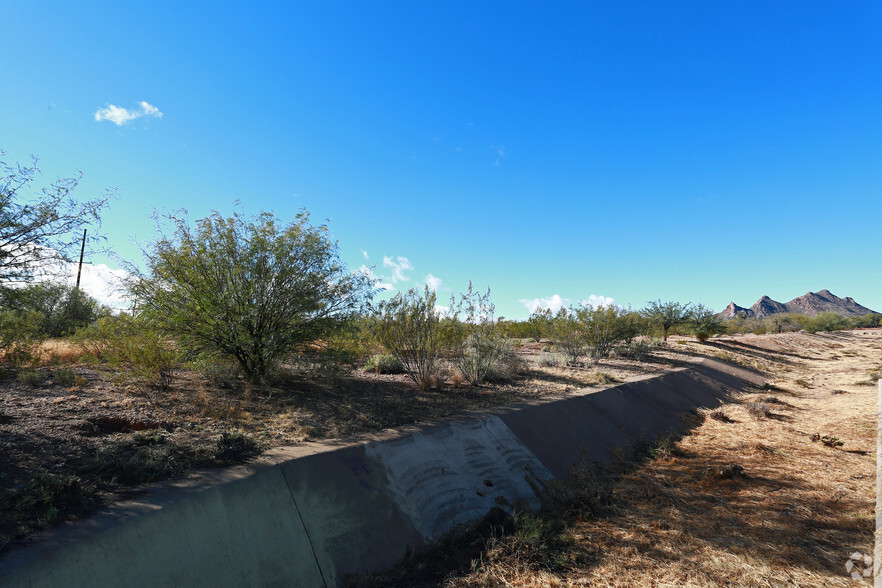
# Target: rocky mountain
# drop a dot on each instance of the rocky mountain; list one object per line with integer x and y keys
{"x": 811, "y": 304}
{"x": 766, "y": 306}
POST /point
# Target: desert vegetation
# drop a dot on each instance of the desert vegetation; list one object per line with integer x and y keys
{"x": 248, "y": 333}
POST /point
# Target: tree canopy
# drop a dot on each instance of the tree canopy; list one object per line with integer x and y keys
{"x": 249, "y": 289}
{"x": 40, "y": 224}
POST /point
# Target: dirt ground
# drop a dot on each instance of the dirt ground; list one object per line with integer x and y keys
{"x": 776, "y": 488}
{"x": 795, "y": 516}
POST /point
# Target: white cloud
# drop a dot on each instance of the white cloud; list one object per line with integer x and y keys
{"x": 102, "y": 283}
{"x": 554, "y": 303}
{"x": 120, "y": 116}
{"x": 98, "y": 281}
{"x": 433, "y": 282}
{"x": 365, "y": 254}
{"x": 399, "y": 265}
{"x": 442, "y": 311}
{"x": 595, "y": 301}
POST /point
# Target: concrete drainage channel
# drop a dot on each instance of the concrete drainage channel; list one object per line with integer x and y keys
{"x": 310, "y": 516}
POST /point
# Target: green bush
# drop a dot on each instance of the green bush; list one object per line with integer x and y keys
{"x": 251, "y": 289}
{"x": 603, "y": 327}
{"x": 827, "y": 321}
{"x": 567, "y": 332}
{"x": 20, "y": 336}
{"x": 704, "y": 322}
{"x": 471, "y": 338}
{"x": 133, "y": 344}
{"x": 31, "y": 378}
{"x": 59, "y": 309}
{"x": 64, "y": 376}
{"x": 539, "y": 323}
{"x": 638, "y": 350}
{"x": 407, "y": 326}
{"x": 666, "y": 315}
{"x": 384, "y": 364}
{"x": 218, "y": 371}
{"x": 235, "y": 447}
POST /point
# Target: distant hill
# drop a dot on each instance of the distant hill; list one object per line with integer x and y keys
{"x": 811, "y": 304}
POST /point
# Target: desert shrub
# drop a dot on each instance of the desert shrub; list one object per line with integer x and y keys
{"x": 384, "y": 364}
{"x": 60, "y": 309}
{"x": 827, "y": 321}
{"x": 217, "y": 370}
{"x": 587, "y": 492}
{"x": 719, "y": 415}
{"x": 782, "y": 323}
{"x": 49, "y": 494}
{"x": 64, "y": 376}
{"x": 133, "y": 344}
{"x": 145, "y": 457}
{"x": 549, "y": 360}
{"x": 31, "y": 378}
{"x": 20, "y": 337}
{"x": 874, "y": 319}
{"x": 759, "y": 410}
{"x": 602, "y": 378}
{"x": 533, "y": 541}
{"x": 568, "y": 334}
{"x": 471, "y": 337}
{"x": 633, "y": 325}
{"x": 507, "y": 364}
{"x": 539, "y": 324}
{"x": 236, "y": 447}
{"x": 704, "y": 322}
{"x": 407, "y": 326}
{"x": 638, "y": 350}
{"x": 602, "y": 328}
{"x": 665, "y": 315}
{"x": 253, "y": 289}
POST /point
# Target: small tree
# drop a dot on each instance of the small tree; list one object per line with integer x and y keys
{"x": 408, "y": 328}
{"x": 37, "y": 226}
{"x": 250, "y": 289}
{"x": 603, "y": 327}
{"x": 704, "y": 322}
{"x": 62, "y": 309}
{"x": 568, "y": 332}
{"x": 539, "y": 323}
{"x": 666, "y": 315}
{"x": 634, "y": 324}
{"x": 827, "y": 321}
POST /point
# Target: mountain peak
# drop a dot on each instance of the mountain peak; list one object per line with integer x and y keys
{"x": 811, "y": 304}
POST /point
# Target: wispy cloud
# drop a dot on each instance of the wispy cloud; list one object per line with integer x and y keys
{"x": 120, "y": 116}
{"x": 398, "y": 266}
{"x": 433, "y": 282}
{"x": 500, "y": 154}
{"x": 365, "y": 254}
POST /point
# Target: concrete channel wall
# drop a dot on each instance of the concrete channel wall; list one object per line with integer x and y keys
{"x": 310, "y": 515}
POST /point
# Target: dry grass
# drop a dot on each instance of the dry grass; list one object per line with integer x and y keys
{"x": 741, "y": 501}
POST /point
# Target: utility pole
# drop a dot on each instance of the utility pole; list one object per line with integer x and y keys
{"x": 80, "y": 269}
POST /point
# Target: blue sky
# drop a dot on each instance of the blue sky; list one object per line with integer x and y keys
{"x": 692, "y": 151}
